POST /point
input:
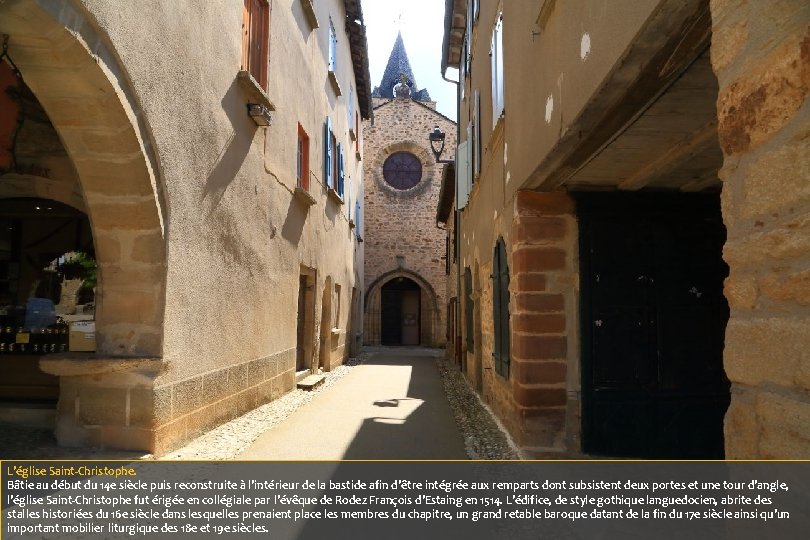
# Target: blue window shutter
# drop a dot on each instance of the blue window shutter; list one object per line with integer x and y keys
{"x": 340, "y": 169}
{"x": 357, "y": 223}
{"x": 328, "y": 152}
{"x": 326, "y": 163}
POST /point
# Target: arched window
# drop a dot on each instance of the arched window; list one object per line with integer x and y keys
{"x": 500, "y": 308}
{"x": 469, "y": 305}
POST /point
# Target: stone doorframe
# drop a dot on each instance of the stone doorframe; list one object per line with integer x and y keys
{"x": 429, "y": 311}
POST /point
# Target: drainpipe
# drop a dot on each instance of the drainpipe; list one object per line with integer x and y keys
{"x": 457, "y": 218}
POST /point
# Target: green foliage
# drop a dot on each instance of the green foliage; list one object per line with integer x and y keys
{"x": 81, "y": 266}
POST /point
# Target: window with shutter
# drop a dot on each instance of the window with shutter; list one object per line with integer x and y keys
{"x": 496, "y": 54}
{"x": 463, "y": 181}
{"x": 328, "y": 152}
{"x": 358, "y": 223}
{"x": 500, "y": 309}
{"x": 462, "y": 71}
{"x": 333, "y": 174}
{"x": 357, "y": 132}
{"x": 302, "y": 165}
{"x": 255, "y": 37}
{"x": 340, "y": 175}
{"x": 469, "y": 305}
{"x": 475, "y": 139}
{"x": 332, "y": 46}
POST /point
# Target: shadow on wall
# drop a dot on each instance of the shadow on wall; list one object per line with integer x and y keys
{"x": 233, "y": 154}
{"x": 294, "y": 223}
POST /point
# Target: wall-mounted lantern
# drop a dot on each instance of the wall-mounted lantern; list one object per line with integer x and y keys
{"x": 436, "y": 138}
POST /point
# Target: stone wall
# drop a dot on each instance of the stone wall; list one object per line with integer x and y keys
{"x": 400, "y": 226}
{"x": 122, "y": 409}
{"x": 544, "y": 321}
{"x": 761, "y": 55}
{"x": 538, "y": 402}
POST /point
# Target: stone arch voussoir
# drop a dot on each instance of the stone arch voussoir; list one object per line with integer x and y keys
{"x": 430, "y": 313}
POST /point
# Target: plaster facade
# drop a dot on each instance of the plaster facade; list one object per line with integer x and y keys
{"x": 605, "y": 112}
{"x": 201, "y": 233}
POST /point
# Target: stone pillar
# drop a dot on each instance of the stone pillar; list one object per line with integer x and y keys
{"x": 543, "y": 246}
{"x": 761, "y": 55}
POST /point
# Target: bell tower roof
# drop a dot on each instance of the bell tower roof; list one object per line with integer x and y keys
{"x": 398, "y": 70}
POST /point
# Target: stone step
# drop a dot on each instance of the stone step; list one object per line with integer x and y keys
{"x": 311, "y": 382}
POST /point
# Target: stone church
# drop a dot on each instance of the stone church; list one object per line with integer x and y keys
{"x": 405, "y": 255}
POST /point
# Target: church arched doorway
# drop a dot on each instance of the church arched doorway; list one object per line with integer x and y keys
{"x": 400, "y": 309}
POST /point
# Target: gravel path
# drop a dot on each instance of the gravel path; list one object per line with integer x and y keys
{"x": 483, "y": 436}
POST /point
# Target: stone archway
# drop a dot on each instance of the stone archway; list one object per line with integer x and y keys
{"x": 429, "y": 309}
{"x": 77, "y": 79}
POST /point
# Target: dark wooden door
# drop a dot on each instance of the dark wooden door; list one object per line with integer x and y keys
{"x": 653, "y": 321}
{"x": 410, "y": 318}
{"x": 391, "y": 316}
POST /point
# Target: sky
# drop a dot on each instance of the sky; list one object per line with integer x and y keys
{"x": 422, "y": 25}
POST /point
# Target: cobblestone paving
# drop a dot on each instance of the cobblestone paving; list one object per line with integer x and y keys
{"x": 484, "y": 438}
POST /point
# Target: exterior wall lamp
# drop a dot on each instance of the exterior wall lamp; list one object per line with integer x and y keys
{"x": 260, "y": 114}
{"x": 436, "y": 138}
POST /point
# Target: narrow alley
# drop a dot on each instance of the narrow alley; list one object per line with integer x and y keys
{"x": 587, "y": 219}
{"x": 393, "y": 406}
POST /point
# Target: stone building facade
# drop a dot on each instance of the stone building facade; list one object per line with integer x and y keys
{"x": 647, "y": 185}
{"x": 404, "y": 250}
{"x": 216, "y": 193}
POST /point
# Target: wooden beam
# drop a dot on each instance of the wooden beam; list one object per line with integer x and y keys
{"x": 707, "y": 180}
{"x": 679, "y": 32}
{"x": 685, "y": 149}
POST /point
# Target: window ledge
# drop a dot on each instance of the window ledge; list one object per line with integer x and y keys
{"x": 352, "y": 134}
{"x": 256, "y": 92}
{"x": 351, "y": 223}
{"x": 335, "y": 83}
{"x": 304, "y": 196}
{"x": 335, "y": 196}
{"x": 358, "y": 155}
{"x": 78, "y": 364}
{"x": 336, "y": 332}
{"x": 309, "y": 11}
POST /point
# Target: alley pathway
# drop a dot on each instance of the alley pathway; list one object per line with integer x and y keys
{"x": 393, "y": 406}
